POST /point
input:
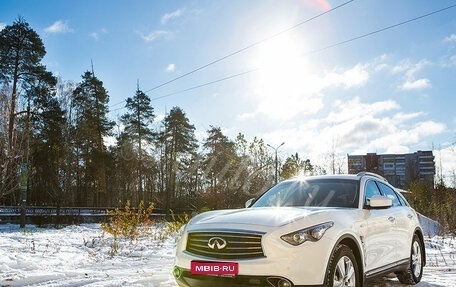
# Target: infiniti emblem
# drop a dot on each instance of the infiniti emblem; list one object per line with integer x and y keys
{"x": 216, "y": 243}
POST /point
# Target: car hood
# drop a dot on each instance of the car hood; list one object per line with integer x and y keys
{"x": 262, "y": 216}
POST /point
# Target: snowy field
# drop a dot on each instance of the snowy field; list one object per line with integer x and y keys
{"x": 82, "y": 256}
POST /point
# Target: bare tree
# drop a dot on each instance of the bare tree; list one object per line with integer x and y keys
{"x": 336, "y": 163}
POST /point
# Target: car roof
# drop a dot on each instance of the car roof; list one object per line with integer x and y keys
{"x": 340, "y": 176}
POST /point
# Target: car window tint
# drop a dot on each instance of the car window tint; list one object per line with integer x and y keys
{"x": 389, "y": 192}
{"x": 317, "y": 192}
{"x": 371, "y": 190}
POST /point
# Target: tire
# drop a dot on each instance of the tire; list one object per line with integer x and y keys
{"x": 413, "y": 273}
{"x": 343, "y": 269}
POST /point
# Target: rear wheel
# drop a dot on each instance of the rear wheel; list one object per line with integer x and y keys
{"x": 343, "y": 269}
{"x": 412, "y": 275}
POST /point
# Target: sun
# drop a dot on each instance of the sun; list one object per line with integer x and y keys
{"x": 283, "y": 80}
{"x": 281, "y": 61}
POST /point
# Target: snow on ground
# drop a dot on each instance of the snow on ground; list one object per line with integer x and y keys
{"x": 82, "y": 256}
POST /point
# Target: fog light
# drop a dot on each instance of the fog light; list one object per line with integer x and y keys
{"x": 279, "y": 282}
{"x": 177, "y": 272}
{"x": 284, "y": 283}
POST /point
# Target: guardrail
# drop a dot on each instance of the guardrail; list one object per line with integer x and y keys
{"x": 48, "y": 214}
{"x": 51, "y": 211}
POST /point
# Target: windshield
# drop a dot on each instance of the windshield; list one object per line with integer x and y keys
{"x": 318, "y": 192}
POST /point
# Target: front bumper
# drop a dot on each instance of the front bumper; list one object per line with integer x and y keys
{"x": 185, "y": 279}
{"x": 303, "y": 265}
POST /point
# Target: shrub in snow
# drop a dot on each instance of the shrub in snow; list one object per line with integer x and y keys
{"x": 128, "y": 223}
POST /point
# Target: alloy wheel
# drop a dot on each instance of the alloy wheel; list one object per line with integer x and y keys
{"x": 416, "y": 259}
{"x": 344, "y": 275}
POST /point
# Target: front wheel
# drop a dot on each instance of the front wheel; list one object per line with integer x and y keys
{"x": 343, "y": 269}
{"x": 414, "y": 272}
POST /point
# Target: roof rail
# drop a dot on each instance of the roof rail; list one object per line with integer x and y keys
{"x": 363, "y": 173}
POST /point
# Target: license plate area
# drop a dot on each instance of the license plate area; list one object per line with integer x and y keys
{"x": 214, "y": 268}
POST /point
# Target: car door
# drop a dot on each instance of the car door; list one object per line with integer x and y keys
{"x": 403, "y": 217}
{"x": 380, "y": 246}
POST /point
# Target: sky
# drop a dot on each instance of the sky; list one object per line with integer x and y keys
{"x": 321, "y": 76}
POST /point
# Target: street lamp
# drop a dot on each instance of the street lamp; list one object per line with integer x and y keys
{"x": 276, "y": 160}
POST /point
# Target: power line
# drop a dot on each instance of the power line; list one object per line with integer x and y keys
{"x": 244, "y": 49}
{"x": 380, "y": 30}
{"x": 116, "y": 104}
{"x": 249, "y": 46}
{"x": 198, "y": 86}
{"x": 307, "y": 53}
{"x": 206, "y": 84}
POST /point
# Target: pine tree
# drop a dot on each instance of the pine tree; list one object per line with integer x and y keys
{"x": 90, "y": 105}
{"x": 138, "y": 121}
{"x": 64, "y": 95}
{"x": 220, "y": 164}
{"x": 48, "y": 155}
{"x": 178, "y": 139}
{"x": 21, "y": 52}
{"x": 126, "y": 169}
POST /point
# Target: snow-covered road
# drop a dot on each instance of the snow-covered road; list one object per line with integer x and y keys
{"x": 81, "y": 256}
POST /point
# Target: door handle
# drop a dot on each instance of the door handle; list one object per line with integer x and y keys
{"x": 391, "y": 218}
{"x": 409, "y": 216}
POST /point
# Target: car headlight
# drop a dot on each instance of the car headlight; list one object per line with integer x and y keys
{"x": 313, "y": 233}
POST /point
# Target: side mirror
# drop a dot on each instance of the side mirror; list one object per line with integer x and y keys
{"x": 379, "y": 202}
{"x": 249, "y": 202}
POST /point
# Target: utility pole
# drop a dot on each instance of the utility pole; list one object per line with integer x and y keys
{"x": 25, "y": 172}
{"x": 24, "y": 186}
{"x": 276, "y": 161}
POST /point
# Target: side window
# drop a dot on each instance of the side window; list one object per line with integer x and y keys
{"x": 402, "y": 199}
{"x": 371, "y": 190}
{"x": 389, "y": 192}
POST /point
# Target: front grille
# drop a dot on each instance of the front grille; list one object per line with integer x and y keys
{"x": 239, "y": 245}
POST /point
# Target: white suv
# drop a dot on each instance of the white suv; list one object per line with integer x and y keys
{"x": 313, "y": 231}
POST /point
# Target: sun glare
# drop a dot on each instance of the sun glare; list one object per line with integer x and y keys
{"x": 283, "y": 83}
{"x": 281, "y": 62}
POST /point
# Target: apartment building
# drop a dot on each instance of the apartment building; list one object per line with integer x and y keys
{"x": 399, "y": 169}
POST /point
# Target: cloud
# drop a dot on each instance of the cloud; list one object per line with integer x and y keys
{"x": 152, "y": 36}
{"x": 410, "y": 70}
{"x": 453, "y": 60}
{"x": 428, "y": 128}
{"x": 344, "y": 111}
{"x": 171, "y": 68}
{"x": 450, "y": 39}
{"x": 2, "y": 26}
{"x": 169, "y": 16}
{"x": 371, "y": 127}
{"x": 402, "y": 117}
{"x": 58, "y": 27}
{"x": 419, "y": 84}
{"x": 354, "y": 127}
{"x": 354, "y": 77}
{"x": 356, "y": 123}
{"x": 447, "y": 61}
{"x": 282, "y": 94}
{"x": 305, "y": 113}
{"x": 96, "y": 35}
